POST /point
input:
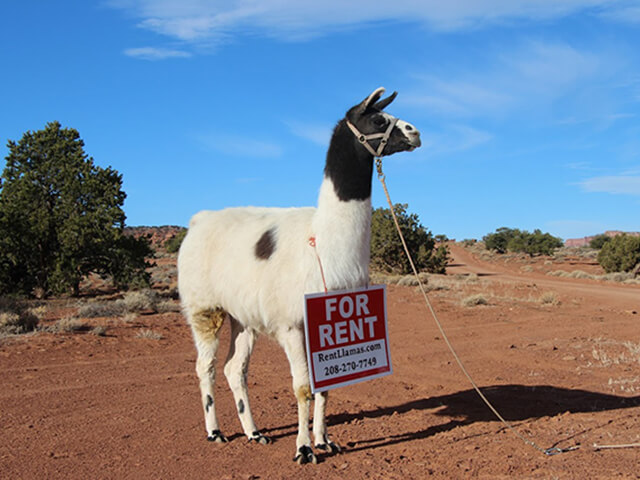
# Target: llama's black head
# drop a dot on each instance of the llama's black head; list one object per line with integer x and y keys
{"x": 365, "y": 132}
{"x": 369, "y": 123}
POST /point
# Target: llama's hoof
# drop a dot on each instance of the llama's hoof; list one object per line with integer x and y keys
{"x": 329, "y": 447}
{"x": 217, "y": 436}
{"x": 259, "y": 438}
{"x": 305, "y": 455}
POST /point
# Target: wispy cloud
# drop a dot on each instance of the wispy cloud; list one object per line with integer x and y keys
{"x": 203, "y": 20}
{"x": 533, "y": 74}
{"x": 622, "y": 184}
{"x": 239, "y": 146}
{"x": 454, "y": 97}
{"x": 153, "y": 53}
{"x": 316, "y": 133}
{"x": 453, "y": 139}
{"x": 626, "y": 12}
{"x": 550, "y": 68}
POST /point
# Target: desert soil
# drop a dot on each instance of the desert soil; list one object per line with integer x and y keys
{"x": 559, "y": 358}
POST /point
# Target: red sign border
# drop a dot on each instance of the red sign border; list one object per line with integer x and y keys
{"x": 353, "y": 378}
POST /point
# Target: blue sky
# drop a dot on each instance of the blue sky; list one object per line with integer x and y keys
{"x": 529, "y": 110}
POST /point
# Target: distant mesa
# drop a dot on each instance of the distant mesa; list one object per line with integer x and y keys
{"x": 583, "y": 242}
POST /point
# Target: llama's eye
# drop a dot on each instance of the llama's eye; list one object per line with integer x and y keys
{"x": 379, "y": 121}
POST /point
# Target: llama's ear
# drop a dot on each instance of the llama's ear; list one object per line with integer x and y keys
{"x": 382, "y": 104}
{"x": 367, "y": 102}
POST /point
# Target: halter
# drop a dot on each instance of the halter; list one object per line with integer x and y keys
{"x": 364, "y": 139}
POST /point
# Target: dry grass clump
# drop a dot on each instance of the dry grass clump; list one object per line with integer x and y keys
{"x": 634, "y": 349}
{"x": 141, "y": 300}
{"x": 165, "y": 275}
{"x": 412, "y": 281}
{"x": 129, "y": 317}
{"x": 101, "y": 309}
{"x": 619, "y": 277}
{"x": 16, "y": 318}
{"x": 133, "y": 302}
{"x": 574, "y": 274}
{"x": 148, "y": 334}
{"x": 12, "y": 323}
{"x": 98, "y": 331}
{"x": 562, "y": 253}
{"x": 67, "y": 325}
{"x": 391, "y": 279}
{"x": 465, "y": 277}
{"x": 614, "y": 352}
{"x": 549, "y": 298}
{"x": 383, "y": 278}
{"x": 168, "y": 306}
{"x": 475, "y": 300}
{"x": 39, "y": 311}
{"x": 430, "y": 281}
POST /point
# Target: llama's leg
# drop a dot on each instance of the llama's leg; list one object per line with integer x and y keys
{"x": 320, "y": 424}
{"x": 292, "y": 340}
{"x": 205, "y": 326}
{"x": 236, "y": 369}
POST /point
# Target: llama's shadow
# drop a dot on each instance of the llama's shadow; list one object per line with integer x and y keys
{"x": 514, "y": 402}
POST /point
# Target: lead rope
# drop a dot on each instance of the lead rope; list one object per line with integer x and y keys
{"x": 547, "y": 451}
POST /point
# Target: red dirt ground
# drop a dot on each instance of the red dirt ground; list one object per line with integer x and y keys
{"x": 565, "y": 372}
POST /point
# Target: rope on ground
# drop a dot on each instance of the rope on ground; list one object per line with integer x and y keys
{"x": 546, "y": 451}
{"x": 624, "y": 445}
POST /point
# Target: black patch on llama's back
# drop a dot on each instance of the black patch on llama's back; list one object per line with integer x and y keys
{"x": 266, "y": 245}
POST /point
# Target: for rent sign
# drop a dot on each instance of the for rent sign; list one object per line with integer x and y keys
{"x": 347, "y": 340}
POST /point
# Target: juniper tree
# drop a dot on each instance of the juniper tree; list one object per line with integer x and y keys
{"x": 387, "y": 253}
{"x": 61, "y": 217}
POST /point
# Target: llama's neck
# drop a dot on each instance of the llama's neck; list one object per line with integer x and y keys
{"x": 343, "y": 234}
{"x": 342, "y": 223}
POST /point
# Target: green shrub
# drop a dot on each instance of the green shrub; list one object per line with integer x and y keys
{"x": 522, "y": 241}
{"x": 598, "y": 241}
{"x": 173, "y": 244}
{"x": 387, "y": 253}
{"x": 499, "y": 240}
{"x": 620, "y": 254}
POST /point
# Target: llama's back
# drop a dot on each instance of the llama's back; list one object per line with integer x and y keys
{"x": 249, "y": 261}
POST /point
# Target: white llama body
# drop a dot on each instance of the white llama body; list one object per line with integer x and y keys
{"x": 268, "y": 295}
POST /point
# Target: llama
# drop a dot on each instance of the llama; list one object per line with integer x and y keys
{"x": 252, "y": 267}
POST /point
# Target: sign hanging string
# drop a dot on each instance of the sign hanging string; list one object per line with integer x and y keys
{"x": 312, "y": 242}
